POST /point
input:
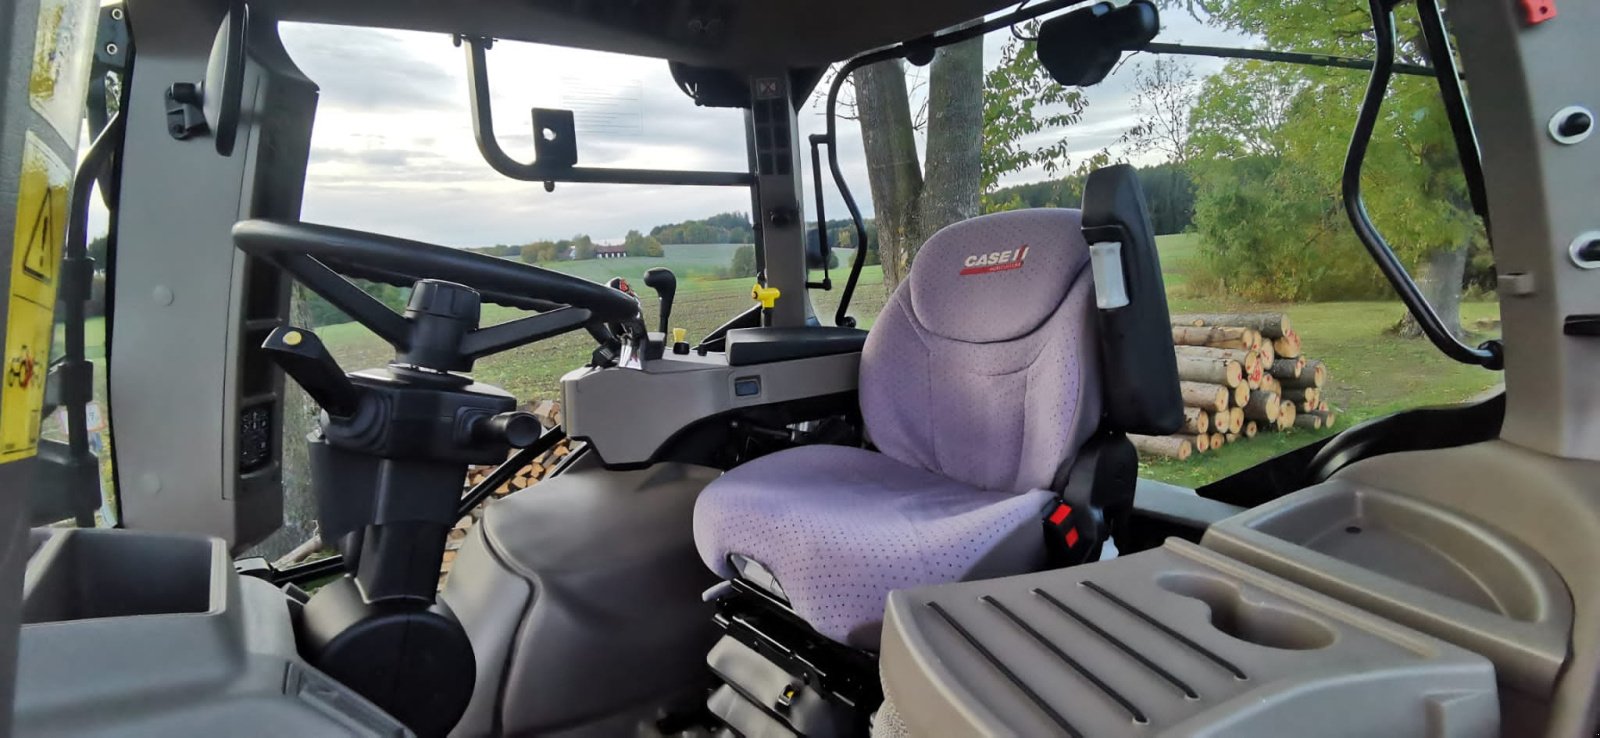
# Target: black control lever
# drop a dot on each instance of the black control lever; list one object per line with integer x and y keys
{"x": 665, "y": 283}
{"x": 515, "y": 429}
{"x": 302, "y": 356}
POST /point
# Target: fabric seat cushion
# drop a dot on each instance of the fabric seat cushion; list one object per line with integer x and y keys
{"x": 840, "y": 527}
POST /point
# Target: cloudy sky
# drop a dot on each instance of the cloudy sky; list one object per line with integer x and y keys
{"x": 393, "y": 152}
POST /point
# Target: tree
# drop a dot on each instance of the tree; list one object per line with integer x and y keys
{"x": 98, "y": 251}
{"x": 1163, "y": 95}
{"x": 1412, "y": 180}
{"x": 639, "y": 244}
{"x": 743, "y": 263}
{"x": 540, "y": 251}
{"x": 1021, "y": 103}
{"x": 582, "y": 247}
{"x": 972, "y": 139}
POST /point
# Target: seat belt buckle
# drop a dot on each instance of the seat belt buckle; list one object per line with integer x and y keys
{"x": 1071, "y": 533}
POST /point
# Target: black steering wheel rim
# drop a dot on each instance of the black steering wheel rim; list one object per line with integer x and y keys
{"x": 389, "y": 259}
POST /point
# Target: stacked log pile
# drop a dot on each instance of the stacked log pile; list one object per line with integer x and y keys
{"x": 1241, "y": 374}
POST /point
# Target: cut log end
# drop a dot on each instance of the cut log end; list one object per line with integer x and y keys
{"x": 1263, "y": 406}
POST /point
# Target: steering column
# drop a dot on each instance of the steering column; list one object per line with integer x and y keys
{"x": 393, "y": 444}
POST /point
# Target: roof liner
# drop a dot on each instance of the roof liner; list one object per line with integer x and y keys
{"x": 734, "y": 34}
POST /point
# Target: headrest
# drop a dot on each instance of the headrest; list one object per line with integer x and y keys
{"x": 997, "y": 277}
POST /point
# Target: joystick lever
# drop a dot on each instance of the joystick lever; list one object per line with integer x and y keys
{"x": 665, "y": 283}
{"x": 302, "y": 356}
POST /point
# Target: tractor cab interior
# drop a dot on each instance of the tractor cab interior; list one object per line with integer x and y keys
{"x": 790, "y": 525}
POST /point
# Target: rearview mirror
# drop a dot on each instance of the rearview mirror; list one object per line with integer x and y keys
{"x": 223, "y": 89}
{"x": 1080, "y": 48}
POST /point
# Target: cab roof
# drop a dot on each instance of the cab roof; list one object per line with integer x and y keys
{"x": 750, "y": 35}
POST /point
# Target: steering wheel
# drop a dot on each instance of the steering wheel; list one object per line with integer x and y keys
{"x": 318, "y": 255}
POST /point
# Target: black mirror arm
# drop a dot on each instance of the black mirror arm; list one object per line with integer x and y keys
{"x": 500, "y": 161}
{"x": 1490, "y": 354}
{"x": 364, "y": 308}
{"x": 496, "y": 338}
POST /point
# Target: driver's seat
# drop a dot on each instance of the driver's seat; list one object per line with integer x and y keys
{"x": 980, "y": 382}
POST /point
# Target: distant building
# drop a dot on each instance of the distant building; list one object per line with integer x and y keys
{"x": 610, "y": 252}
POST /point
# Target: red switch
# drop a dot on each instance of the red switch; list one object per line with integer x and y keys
{"x": 1535, "y": 12}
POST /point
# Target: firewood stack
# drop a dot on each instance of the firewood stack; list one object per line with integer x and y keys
{"x": 549, "y": 414}
{"x": 1241, "y": 374}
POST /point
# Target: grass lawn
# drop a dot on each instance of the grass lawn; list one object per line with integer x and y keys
{"x": 1371, "y": 372}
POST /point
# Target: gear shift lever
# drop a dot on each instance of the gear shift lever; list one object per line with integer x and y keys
{"x": 665, "y": 283}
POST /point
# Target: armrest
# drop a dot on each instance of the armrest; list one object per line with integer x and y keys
{"x": 749, "y": 346}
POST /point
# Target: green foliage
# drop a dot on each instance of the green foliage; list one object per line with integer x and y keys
{"x": 97, "y": 251}
{"x": 502, "y": 250}
{"x": 743, "y": 263}
{"x": 539, "y": 251}
{"x": 324, "y": 313}
{"x": 1270, "y": 142}
{"x": 1168, "y": 190}
{"x": 582, "y": 247}
{"x": 719, "y": 228}
{"x": 1020, "y": 101}
{"x": 639, "y": 244}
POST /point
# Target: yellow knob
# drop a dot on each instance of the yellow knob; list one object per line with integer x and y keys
{"x": 292, "y": 338}
{"x": 767, "y": 296}
{"x": 679, "y": 335}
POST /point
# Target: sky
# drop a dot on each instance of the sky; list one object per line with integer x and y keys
{"x": 393, "y": 150}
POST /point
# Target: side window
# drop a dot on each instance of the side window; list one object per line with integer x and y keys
{"x": 64, "y": 503}
{"x": 1285, "y": 330}
{"x": 1269, "y": 252}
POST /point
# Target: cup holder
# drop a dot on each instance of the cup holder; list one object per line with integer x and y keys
{"x": 1251, "y": 622}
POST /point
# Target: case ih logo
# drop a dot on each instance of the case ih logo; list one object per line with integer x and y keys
{"x": 995, "y": 261}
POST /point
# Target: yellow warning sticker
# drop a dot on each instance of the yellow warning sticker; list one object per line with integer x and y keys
{"x": 62, "y": 49}
{"x": 30, "y": 311}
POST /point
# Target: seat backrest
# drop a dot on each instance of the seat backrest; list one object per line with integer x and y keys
{"x": 983, "y": 366}
{"x": 1141, "y": 389}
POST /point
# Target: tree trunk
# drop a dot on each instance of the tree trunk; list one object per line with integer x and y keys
{"x": 909, "y": 208}
{"x": 884, "y": 111}
{"x": 1443, "y": 273}
{"x": 953, "y": 162}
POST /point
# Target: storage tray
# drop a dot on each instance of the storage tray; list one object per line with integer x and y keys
{"x": 1173, "y": 641}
